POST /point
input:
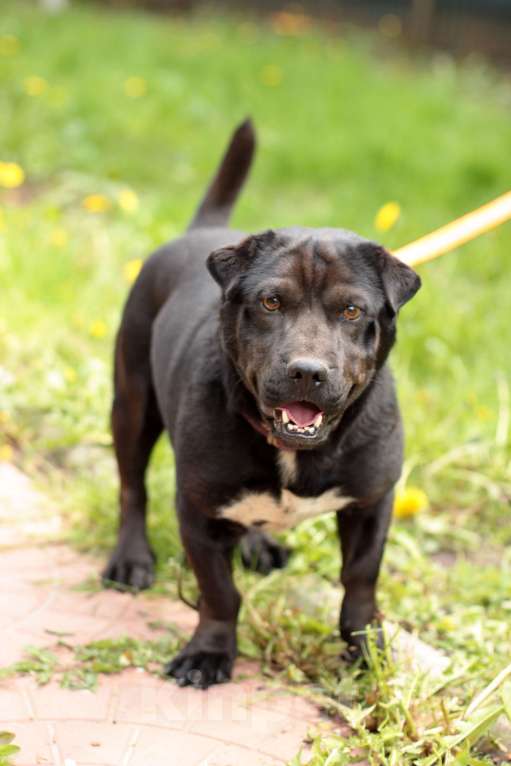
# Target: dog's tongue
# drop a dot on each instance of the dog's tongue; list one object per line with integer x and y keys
{"x": 302, "y": 413}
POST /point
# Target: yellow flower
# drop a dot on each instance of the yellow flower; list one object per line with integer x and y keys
{"x": 6, "y": 453}
{"x": 98, "y": 329}
{"x": 271, "y": 75}
{"x": 8, "y": 45}
{"x": 132, "y": 269}
{"x": 128, "y": 200}
{"x": 58, "y": 237}
{"x": 35, "y": 85}
{"x": 409, "y": 501}
{"x": 290, "y": 23}
{"x": 11, "y": 175}
{"x": 387, "y": 216}
{"x": 446, "y": 624}
{"x": 70, "y": 374}
{"x": 134, "y": 87}
{"x": 483, "y": 412}
{"x": 96, "y": 203}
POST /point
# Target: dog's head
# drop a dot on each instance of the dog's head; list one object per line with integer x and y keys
{"x": 308, "y": 317}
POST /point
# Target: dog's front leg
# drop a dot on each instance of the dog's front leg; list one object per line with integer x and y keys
{"x": 209, "y": 657}
{"x": 363, "y": 532}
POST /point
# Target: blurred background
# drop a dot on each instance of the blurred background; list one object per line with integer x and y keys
{"x": 388, "y": 118}
{"x": 463, "y": 26}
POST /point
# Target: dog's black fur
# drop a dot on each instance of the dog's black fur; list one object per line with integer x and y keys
{"x": 302, "y": 315}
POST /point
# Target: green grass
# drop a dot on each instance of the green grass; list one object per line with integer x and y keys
{"x": 345, "y": 125}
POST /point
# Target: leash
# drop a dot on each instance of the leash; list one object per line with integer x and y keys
{"x": 183, "y": 565}
{"x": 457, "y": 233}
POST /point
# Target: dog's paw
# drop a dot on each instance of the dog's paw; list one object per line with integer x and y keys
{"x": 352, "y": 654}
{"x": 200, "y": 669}
{"x": 130, "y": 567}
{"x": 260, "y": 553}
{"x": 357, "y": 646}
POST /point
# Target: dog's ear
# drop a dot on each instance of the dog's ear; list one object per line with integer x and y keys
{"x": 400, "y": 282}
{"x": 227, "y": 263}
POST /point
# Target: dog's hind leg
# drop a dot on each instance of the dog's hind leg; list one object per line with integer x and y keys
{"x": 261, "y": 553}
{"x": 136, "y": 426}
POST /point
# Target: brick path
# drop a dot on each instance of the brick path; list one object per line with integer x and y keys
{"x": 133, "y": 719}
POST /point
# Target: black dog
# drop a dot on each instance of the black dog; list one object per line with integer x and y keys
{"x": 276, "y": 396}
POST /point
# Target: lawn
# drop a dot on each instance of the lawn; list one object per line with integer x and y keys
{"x": 114, "y": 122}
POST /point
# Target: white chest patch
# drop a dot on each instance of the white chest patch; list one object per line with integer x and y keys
{"x": 264, "y": 510}
{"x": 288, "y": 467}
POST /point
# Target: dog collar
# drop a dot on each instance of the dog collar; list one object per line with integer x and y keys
{"x": 264, "y": 430}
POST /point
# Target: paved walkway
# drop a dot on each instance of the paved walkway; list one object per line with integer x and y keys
{"x": 133, "y": 719}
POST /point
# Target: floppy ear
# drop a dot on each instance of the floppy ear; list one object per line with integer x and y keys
{"x": 400, "y": 282}
{"x": 226, "y": 263}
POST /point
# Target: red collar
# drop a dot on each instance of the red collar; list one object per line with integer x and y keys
{"x": 261, "y": 428}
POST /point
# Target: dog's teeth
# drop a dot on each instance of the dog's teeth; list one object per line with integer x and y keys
{"x": 285, "y": 417}
{"x": 304, "y": 430}
{"x": 318, "y": 419}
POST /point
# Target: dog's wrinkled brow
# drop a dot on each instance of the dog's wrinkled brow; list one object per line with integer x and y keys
{"x": 315, "y": 267}
{"x": 278, "y": 286}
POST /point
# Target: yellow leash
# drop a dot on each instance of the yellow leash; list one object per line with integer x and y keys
{"x": 457, "y": 232}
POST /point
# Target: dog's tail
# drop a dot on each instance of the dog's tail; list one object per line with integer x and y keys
{"x": 216, "y": 206}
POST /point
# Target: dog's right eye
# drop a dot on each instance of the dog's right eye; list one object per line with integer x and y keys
{"x": 271, "y": 303}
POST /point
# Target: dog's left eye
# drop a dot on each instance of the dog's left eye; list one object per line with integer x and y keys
{"x": 271, "y": 303}
{"x": 351, "y": 312}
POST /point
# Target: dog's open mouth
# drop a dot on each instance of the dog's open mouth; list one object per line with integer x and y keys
{"x": 302, "y": 419}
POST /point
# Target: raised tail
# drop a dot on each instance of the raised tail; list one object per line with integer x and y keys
{"x": 216, "y": 206}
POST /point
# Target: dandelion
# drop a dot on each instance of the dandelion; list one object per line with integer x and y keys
{"x": 9, "y": 45}
{"x": 6, "y": 453}
{"x": 98, "y": 329}
{"x": 446, "y": 624}
{"x": 96, "y": 203}
{"x": 271, "y": 75}
{"x": 58, "y": 237}
{"x": 35, "y": 85}
{"x": 12, "y": 175}
{"x": 70, "y": 374}
{"x": 387, "y": 216}
{"x": 483, "y": 412}
{"x": 132, "y": 269}
{"x": 128, "y": 200}
{"x": 290, "y": 24}
{"x": 409, "y": 501}
{"x": 135, "y": 87}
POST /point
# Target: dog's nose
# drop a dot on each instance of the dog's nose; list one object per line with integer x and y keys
{"x": 307, "y": 371}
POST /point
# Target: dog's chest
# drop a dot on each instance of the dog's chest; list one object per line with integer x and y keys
{"x": 265, "y": 510}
